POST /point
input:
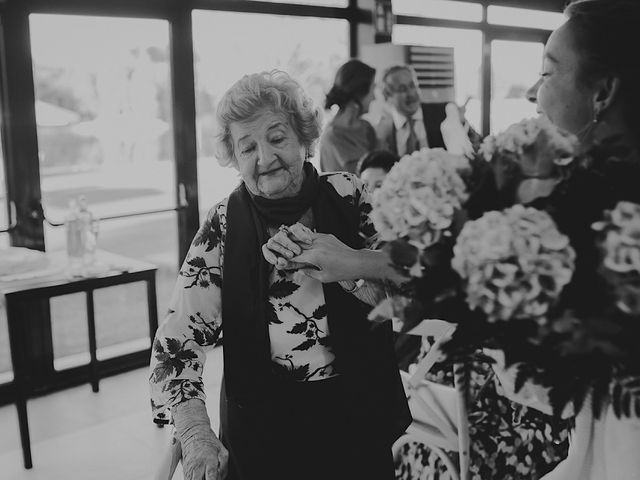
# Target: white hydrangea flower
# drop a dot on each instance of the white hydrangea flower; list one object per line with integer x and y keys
{"x": 622, "y": 239}
{"x": 518, "y": 139}
{"x": 419, "y": 196}
{"x": 514, "y": 263}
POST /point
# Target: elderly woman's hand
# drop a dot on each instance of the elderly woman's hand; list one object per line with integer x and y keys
{"x": 204, "y": 457}
{"x": 286, "y": 244}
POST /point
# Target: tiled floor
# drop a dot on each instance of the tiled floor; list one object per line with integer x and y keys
{"x": 80, "y": 435}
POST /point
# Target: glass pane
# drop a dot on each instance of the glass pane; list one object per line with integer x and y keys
{"x": 69, "y": 330}
{"x": 153, "y": 238}
{"x": 515, "y": 67}
{"x": 103, "y": 111}
{"x": 439, "y": 9}
{"x": 522, "y": 17}
{"x": 467, "y": 57}
{"x": 121, "y": 312}
{"x": 310, "y": 49}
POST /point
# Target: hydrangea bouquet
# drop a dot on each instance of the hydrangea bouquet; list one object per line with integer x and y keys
{"x": 417, "y": 212}
{"x": 554, "y": 285}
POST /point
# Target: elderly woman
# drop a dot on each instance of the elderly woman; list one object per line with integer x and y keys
{"x": 281, "y": 268}
{"x": 589, "y": 86}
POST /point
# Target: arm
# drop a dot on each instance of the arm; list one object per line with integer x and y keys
{"x": 325, "y": 258}
{"x": 384, "y": 131}
{"x": 335, "y": 261}
{"x": 191, "y": 326}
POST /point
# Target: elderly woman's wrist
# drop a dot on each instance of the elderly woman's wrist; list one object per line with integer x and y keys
{"x": 189, "y": 416}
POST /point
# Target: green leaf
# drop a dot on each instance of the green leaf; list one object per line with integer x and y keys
{"x": 215, "y": 279}
{"x": 298, "y": 328}
{"x": 198, "y": 336}
{"x": 173, "y": 345}
{"x": 272, "y": 316}
{"x": 402, "y": 253}
{"x": 282, "y": 288}
{"x": 162, "y": 371}
{"x": 157, "y": 346}
{"x": 320, "y": 312}
{"x": 197, "y": 262}
{"x": 209, "y": 233}
{"x": 306, "y": 345}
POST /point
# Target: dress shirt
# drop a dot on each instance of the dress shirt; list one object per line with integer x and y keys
{"x": 402, "y": 130}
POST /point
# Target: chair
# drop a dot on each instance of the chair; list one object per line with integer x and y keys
{"x": 439, "y": 412}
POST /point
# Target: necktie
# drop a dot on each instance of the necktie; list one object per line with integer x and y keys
{"x": 412, "y": 140}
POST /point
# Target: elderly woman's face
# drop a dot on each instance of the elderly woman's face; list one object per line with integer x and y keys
{"x": 270, "y": 157}
{"x": 558, "y": 93}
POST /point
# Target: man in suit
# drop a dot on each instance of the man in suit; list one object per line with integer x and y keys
{"x": 410, "y": 124}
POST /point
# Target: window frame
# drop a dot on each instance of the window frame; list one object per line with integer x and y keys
{"x": 19, "y": 135}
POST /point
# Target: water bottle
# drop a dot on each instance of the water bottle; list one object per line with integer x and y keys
{"x": 89, "y": 229}
{"x": 75, "y": 247}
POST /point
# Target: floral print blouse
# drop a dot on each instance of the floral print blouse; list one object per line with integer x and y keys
{"x": 298, "y": 329}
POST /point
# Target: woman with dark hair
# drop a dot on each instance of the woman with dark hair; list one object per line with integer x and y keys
{"x": 347, "y": 137}
{"x": 588, "y": 86}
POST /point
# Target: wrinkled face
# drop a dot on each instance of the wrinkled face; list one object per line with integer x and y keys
{"x": 373, "y": 177}
{"x": 269, "y": 155}
{"x": 558, "y": 93}
{"x": 404, "y": 95}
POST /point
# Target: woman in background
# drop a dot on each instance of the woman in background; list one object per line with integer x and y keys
{"x": 347, "y": 137}
{"x": 588, "y": 86}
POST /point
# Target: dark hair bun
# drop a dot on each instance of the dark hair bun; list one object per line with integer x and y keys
{"x": 336, "y": 96}
{"x": 353, "y": 81}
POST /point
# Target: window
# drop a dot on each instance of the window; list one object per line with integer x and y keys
{"x": 467, "y": 55}
{"x": 104, "y": 124}
{"x": 444, "y": 9}
{"x": 310, "y": 49}
{"x": 515, "y": 67}
{"x": 522, "y": 17}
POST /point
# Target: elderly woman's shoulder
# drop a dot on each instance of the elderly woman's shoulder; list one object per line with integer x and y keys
{"x": 218, "y": 212}
{"x": 345, "y": 183}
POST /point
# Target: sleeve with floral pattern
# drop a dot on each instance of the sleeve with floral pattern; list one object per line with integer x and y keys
{"x": 370, "y": 291}
{"x": 193, "y": 323}
{"x": 363, "y": 202}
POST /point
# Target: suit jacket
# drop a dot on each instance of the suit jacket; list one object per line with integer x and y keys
{"x": 433, "y": 115}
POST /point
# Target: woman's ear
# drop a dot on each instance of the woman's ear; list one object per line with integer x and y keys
{"x": 605, "y": 94}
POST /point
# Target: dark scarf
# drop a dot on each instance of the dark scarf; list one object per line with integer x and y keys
{"x": 361, "y": 351}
